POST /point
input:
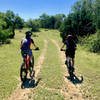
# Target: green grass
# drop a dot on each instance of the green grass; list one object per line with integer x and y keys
{"x": 45, "y": 94}
{"x": 51, "y": 75}
{"x": 52, "y": 72}
{"x": 89, "y": 66}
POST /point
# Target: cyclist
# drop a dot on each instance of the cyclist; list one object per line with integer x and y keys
{"x": 25, "y": 46}
{"x": 70, "y": 48}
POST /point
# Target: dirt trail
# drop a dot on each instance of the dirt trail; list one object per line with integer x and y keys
{"x": 70, "y": 90}
{"x": 23, "y": 94}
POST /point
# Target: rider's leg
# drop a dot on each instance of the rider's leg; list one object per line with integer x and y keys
{"x": 73, "y": 56}
{"x": 66, "y": 60}
{"x": 66, "y": 53}
{"x": 28, "y": 59}
{"x": 23, "y": 56}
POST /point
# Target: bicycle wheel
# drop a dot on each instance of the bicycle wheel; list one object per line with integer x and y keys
{"x": 31, "y": 68}
{"x": 23, "y": 73}
{"x": 71, "y": 70}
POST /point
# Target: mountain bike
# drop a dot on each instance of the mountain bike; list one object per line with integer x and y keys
{"x": 69, "y": 66}
{"x": 24, "y": 69}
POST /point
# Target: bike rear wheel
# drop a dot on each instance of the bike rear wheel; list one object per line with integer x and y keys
{"x": 23, "y": 73}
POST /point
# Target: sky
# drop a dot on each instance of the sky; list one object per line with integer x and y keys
{"x": 34, "y": 8}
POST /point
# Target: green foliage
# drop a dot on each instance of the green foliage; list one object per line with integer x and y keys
{"x": 92, "y": 43}
{"x": 4, "y": 31}
{"x": 83, "y": 21}
{"x": 44, "y": 21}
{"x": 51, "y": 22}
{"x": 80, "y": 21}
{"x": 95, "y": 44}
{"x": 13, "y": 21}
{"x": 33, "y": 24}
{"x": 8, "y": 23}
{"x": 96, "y": 10}
{"x": 19, "y": 22}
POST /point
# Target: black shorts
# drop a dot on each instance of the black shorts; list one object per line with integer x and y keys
{"x": 70, "y": 53}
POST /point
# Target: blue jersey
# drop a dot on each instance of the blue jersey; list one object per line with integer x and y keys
{"x": 26, "y": 42}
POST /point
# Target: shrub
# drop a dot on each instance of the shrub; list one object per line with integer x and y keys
{"x": 92, "y": 43}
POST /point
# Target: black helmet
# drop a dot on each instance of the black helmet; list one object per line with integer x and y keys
{"x": 69, "y": 37}
{"x": 28, "y": 33}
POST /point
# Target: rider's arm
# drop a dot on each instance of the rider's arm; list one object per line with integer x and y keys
{"x": 63, "y": 46}
{"x": 33, "y": 43}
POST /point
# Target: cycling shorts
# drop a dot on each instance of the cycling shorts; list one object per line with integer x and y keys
{"x": 70, "y": 53}
{"x": 28, "y": 52}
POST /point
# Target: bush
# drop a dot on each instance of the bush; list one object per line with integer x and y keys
{"x": 4, "y": 34}
{"x": 95, "y": 47}
{"x": 92, "y": 43}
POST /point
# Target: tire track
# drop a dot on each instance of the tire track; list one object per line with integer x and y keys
{"x": 70, "y": 90}
{"x": 23, "y": 94}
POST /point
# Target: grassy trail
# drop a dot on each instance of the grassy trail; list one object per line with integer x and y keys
{"x": 51, "y": 82}
{"x": 21, "y": 94}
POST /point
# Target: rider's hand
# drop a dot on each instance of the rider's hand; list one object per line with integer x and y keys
{"x": 37, "y": 48}
{"x": 61, "y": 49}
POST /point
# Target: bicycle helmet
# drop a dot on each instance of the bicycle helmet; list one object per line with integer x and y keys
{"x": 69, "y": 37}
{"x": 28, "y": 33}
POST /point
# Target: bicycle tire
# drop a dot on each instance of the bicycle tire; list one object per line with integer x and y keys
{"x": 23, "y": 73}
{"x": 31, "y": 68}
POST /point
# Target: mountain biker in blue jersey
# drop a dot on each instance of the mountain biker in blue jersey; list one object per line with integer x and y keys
{"x": 25, "y": 46}
{"x": 70, "y": 48}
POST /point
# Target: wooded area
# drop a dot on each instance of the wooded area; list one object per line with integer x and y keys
{"x": 83, "y": 20}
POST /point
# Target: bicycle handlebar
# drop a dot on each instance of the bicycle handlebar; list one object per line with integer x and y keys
{"x": 62, "y": 50}
{"x": 36, "y": 48}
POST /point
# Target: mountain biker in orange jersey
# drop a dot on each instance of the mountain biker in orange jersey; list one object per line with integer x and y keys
{"x": 25, "y": 46}
{"x": 70, "y": 48}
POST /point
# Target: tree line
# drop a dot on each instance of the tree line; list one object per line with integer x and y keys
{"x": 83, "y": 20}
{"x": 10, "y": 21}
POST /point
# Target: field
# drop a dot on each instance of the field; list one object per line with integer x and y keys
{"x": 52, "y": 83}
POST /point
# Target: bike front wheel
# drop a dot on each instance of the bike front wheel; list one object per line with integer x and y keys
{"x": 31, "y": 68}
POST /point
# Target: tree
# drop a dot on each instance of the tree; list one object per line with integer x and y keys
{"x": 44, "y": 21}
{"x": 33, "y": 24}
{"x": 96, "y": 10}
{"x": 59, "y": 18}
{"x": 4, "y": 30}
{"x": 13, "y": 21}
{"x": 19, "y": 22}
{"x": 80, "y": 21}
{"x": 51, "y": 22}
